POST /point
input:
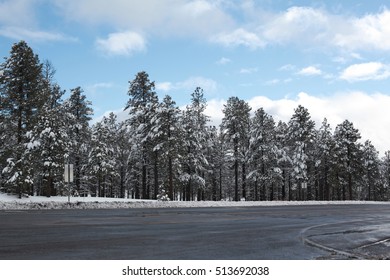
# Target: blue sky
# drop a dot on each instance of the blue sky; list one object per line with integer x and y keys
{"x": 331, "y": 56}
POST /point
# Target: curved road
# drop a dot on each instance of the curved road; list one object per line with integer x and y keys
{"x": 278, "y": 232}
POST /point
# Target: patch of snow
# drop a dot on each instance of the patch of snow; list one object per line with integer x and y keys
{"x": 11, "y": 202}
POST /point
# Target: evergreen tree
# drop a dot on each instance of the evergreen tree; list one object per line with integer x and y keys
{"x": 235, "y": 126}
{"x": 142, "y": 106}
{"x": 324, "y": 159}
{"x": 101, "y": 161}
{"x": 371, "y": 187}
{"x": 284, "y": 159}
{"x": 79, "y": 112}
{"x": 348, "y": 156}
{"x": 48, "y": 142}
{"x": 22, "y": 97}
{"x": 263, "y": 155}
{"x": 122, "y": 152}
{"x": 385, "y": 176}
{"x": 168, "y": 135}
{"x": 214, "y": 154}
{"x": 301, "y": 136}
{"x": 194, "y": 160}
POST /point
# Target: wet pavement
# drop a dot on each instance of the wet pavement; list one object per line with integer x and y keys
{"x": 278, "y": 232}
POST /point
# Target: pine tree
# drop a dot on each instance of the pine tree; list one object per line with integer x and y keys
{"x": 301, "y": 136}
{"x": 284, "y": 160}
{"x": 385, "y": 176}
{"x": 22, "y": 97}
{"x": 194, "y": 160}
{"x": 215, "y": 156}
{"x": 142, "y": 106}
{"x": 348, "y": 156}
{"x": 371, "y": 187}
{"x": 235, "y": 126}
{"x": 48, "y": 142}
{"x": 122, "y": 152}
{"x": 263, "y": 155}
{"x": 101, "y": 160}
{"x": 167, "y": 135}
{"x": 324, "y": 149}
{"x": 79, "y": 112}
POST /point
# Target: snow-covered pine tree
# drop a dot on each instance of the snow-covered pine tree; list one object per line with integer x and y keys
{"x": 324, "y": 148}
{"x": 7, "y": 140}
{"x": 101, "y": 161}
{"x": 215, "y": 158}
{"x": 79, "y": 112}
{"x": 49, "y": 143}
{"x": 22, "y": 97}
{"x": 385, "y": 175}
{"x": 301, "y": 135}
{"x": 263, "y": 156}
{"x": 142, "y": 105}
{"x": 235, "y": 127}
{"x": 348, "y": 158}
{"x": 284, "y": 159}
{"x": 167, "y": 135}
{"x": 121, "y": 154}
{"x": 194, "y": 160}
{"x": 371, "y": 184}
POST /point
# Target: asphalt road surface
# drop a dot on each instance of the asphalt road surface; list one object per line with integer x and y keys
{"x": 278, "y": 232}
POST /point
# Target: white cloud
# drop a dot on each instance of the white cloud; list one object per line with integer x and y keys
{"x": 287, "y": 67}
{"x": 298, "y": 24}
{"x": 314, "y": 27}
{"x": 272, "y": 82}
{"x": 248, "y": 70}
{"x": 371, "y": 31}
{"x": 239, "y": 37}
{"x": 164, "y": 86}
{"x": 223, "y": 61}
{"x": 366, "y": 71}
{"x": 164, "y": 18}
{"x": 17, "y": 12}
{"x": 93, "y": 89}
{"x": 18, "y": 21}
{"x": 19, "y": 33}
{"x": 122, "y": 43}
{"x": 208, "y": 85}
{"x": 309, "y": 71}
{"x": 214, "y": 111}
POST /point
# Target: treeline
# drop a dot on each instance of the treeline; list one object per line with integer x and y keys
{"x": 163, "y": 152}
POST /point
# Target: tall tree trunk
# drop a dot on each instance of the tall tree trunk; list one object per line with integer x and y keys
{"x": 350, "y": 186}
{"x": 244, "y": 181}
{"x": 236, "y": 180}
{"x": 220, "y": 183}
{"x": 170, "y": 178}
{"x": 144, "y": 181}
{"x": 77, "y": 173}
{"x": 284, "y": 185}
{"x": 155, "y": 175}
{"x": 256, "y": 191}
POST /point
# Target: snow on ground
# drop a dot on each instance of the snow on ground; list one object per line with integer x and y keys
{"x": 11, "y": 202}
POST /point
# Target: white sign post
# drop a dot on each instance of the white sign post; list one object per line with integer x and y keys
{"x": 68, "y": 174}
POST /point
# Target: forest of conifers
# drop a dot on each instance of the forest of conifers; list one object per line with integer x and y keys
{"x": 163, "y": 152}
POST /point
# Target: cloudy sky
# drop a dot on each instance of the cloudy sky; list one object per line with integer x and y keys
{"x": 332, "y": 57}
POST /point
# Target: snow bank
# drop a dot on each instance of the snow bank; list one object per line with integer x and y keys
{"x": 11, "y": 202}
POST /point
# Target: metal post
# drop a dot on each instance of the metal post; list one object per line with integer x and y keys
{"x": 68, "y": 177}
